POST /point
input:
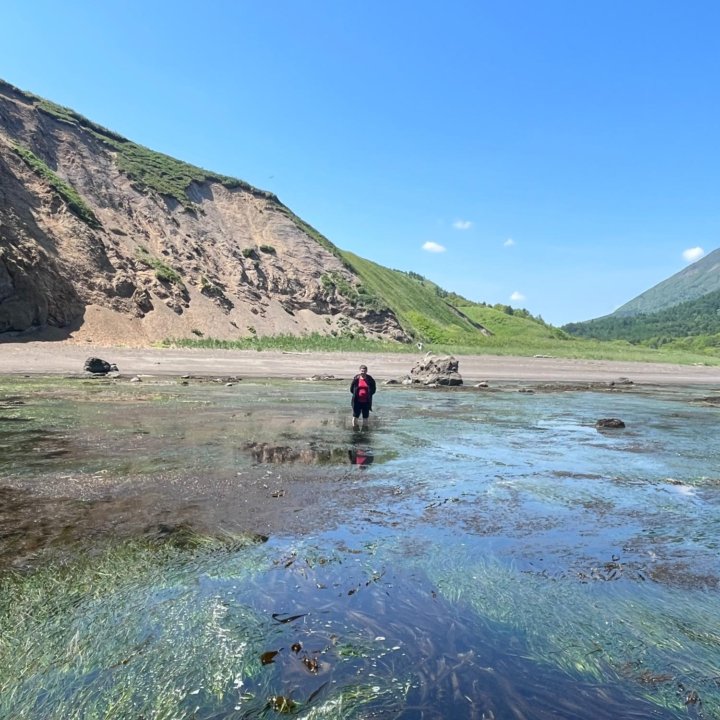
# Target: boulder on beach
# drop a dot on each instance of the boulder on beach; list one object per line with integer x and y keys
{"x": 98, "y": 366}
{"x": 436, "y": 370}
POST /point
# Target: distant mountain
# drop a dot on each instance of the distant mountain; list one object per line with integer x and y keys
{"x": 685, "y": 305}
{"x": 699, "y": 317}
{"x": 696, "y": 280}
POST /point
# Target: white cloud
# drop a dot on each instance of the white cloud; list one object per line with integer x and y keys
{"x": 462, "y": 224}
{"x": 509, "y": 242}
{"x": 433, "y": 247}
{"x": 693, "y": 254}
{"x": 517, "y": 296}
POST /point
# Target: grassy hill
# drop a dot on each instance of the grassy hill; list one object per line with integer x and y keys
{"x": 446, "y": 322}
{"x": 417, "y": 302}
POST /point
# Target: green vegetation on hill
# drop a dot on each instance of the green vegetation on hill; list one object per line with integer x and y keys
{"x": 146, "y": 168}
{"x": 434, "y": 316}
{"x": 162, "y": 270}
{"x": 422, "y": 313}
{"x": 570, "y": 348}
{"x": 357, "y": 294}
{"x": 508, "y": 327}
{"x": 67, "y": 192}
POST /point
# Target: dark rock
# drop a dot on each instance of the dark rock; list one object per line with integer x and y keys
{"x": 125, "y": 287}
{"x": 142, "y": 300}
{"x": 98, "y": 366}
{"x": 613, "y": 423}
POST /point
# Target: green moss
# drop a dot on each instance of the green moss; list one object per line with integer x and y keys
{"x": 67, "y": 192}
{"x": 162, "y": 270}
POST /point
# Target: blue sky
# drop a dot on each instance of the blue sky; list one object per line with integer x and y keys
{"x": 557, "y": 155}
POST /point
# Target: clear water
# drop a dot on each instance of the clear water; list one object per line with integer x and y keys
{"x": 213, "y": 551}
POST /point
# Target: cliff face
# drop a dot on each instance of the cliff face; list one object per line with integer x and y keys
{"x": 103, "y": 240}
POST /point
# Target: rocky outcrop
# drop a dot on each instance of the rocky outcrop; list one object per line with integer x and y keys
{"x": 436, "y": 370}
{"x": 90, "y": 245}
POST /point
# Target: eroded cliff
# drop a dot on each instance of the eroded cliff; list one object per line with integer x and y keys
{"x": 104, "y": 240}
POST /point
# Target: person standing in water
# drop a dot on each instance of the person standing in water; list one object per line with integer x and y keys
{"x": 362, "y": 388}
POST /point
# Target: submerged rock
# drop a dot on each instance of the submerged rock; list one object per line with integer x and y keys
{"x": 613, "y": 423}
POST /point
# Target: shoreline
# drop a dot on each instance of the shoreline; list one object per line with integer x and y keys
{"x": 51, "y": 358}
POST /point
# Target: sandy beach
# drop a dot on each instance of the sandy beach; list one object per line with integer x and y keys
{"x": 62, "y": 358}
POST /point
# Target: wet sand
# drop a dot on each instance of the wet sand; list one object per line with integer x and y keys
{"x": 57, "y": 358}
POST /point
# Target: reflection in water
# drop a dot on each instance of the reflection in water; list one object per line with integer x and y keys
{"x": 310, "y": 455}
{"x": 509, "y": 562}
{"x": 361, "y": 452}
{"x": 315, "y": 452}
{"x": 361, "y": 457}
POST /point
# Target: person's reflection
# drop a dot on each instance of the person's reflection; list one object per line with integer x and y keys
{"x": 360, "y": 457}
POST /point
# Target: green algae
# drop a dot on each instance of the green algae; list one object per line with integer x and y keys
{"x": 658, "y": 639}
{"x": 117, "y": 633}
{"x": 164, "y": 629}
{"x": 487, "y": 571}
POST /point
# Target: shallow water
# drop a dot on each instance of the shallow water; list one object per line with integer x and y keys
{"x": 215, "y": 551}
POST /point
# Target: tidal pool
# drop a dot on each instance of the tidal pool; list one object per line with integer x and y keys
{"x": 213, "y": 550}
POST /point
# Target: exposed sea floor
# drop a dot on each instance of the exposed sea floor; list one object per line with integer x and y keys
{"x": 199, "y": 549}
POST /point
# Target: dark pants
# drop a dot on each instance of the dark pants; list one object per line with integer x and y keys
{"x": 361, "y": 407}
